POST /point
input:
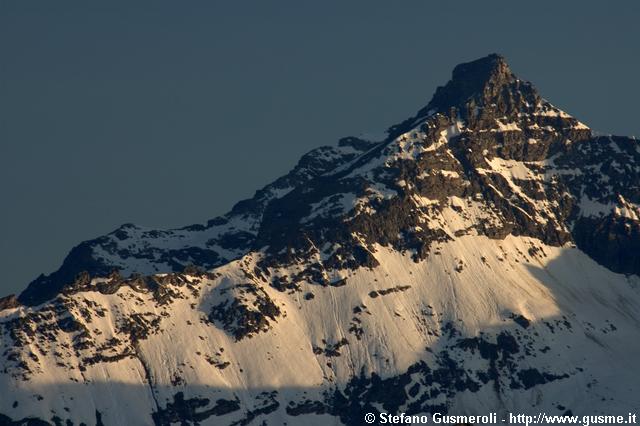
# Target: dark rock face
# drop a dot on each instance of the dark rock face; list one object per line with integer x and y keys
{"x": 246, "y": 311}
{"x": 483, "y": 90}
{"x": 193, "y": 410}
{"x": 9, "y": 302}
{"x": 6, "y": 421}
{"x": 609, "y": 176}
{"x": 46, "y": 287}
{"x": 611, "y": 241}
{"x": 427, "y": 386}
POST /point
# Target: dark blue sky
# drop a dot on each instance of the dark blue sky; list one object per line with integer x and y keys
{"x": 166, "y": 113}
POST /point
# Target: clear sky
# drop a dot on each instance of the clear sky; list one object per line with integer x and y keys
{"x": 166, "y": 113}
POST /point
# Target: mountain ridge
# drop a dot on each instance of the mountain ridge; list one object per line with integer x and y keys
{"x": 486, "y": 76}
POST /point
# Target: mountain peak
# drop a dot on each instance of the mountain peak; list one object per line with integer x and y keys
{"x": 483, "y": 69}
{"x": 484, "y": 76}
{"x": 485, "y": 83}
{"x": 479, "y": 93}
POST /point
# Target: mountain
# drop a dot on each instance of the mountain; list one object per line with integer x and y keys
{"x": 483, "y": 257}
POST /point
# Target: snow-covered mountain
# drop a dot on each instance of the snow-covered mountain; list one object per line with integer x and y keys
{"x": 484, "y": 256}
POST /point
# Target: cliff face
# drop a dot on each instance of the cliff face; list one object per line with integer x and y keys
{"x": 482, "y": 257}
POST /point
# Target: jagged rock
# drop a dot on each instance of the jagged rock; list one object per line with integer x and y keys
{"x": 247, "y": 311}
{"x": 9, "y": 302}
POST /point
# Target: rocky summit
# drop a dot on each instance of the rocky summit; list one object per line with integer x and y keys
{"x": 482, "y": 257}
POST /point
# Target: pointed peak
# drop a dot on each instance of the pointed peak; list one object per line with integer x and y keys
{"x": 485, "y": 82}
{"x": 484, "y": 92}
{"x": 483, "y": 69}
{"x": 482, "y": 81}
